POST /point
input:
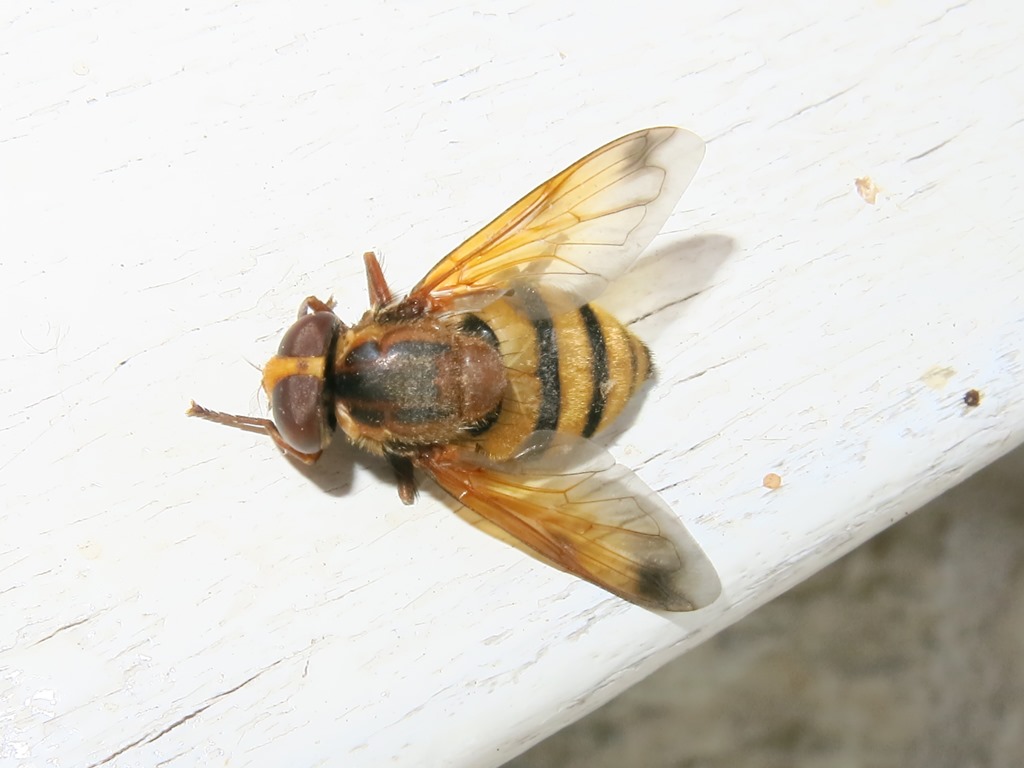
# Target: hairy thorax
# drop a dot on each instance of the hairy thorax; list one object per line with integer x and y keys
{"x": 415, "y": 383}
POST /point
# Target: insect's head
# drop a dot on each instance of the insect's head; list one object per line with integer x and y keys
{"x": 295, "y": 381}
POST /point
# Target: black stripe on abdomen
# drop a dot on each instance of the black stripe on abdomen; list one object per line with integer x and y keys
{"x": 547, "y": 359}
{"x": 599, "y": 355}
{"x": 485, "y": 423}
{"x": 475, "y": 326}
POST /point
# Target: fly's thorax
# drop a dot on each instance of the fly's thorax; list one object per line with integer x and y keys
{"x": 415, "y": 382}
{"x": 294, "y": 381}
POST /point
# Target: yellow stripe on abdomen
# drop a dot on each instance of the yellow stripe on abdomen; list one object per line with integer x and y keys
{"x": 575, "y": 372}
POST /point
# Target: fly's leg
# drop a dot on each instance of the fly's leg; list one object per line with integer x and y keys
{"x": 404, "y": 476}
{"x": 380, "y": 293}
{"x": 312, "y": 304}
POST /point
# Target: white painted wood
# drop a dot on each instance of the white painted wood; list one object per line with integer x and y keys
{"x": 174, "y": 179}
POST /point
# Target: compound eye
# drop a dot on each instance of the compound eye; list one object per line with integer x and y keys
{"x": 299, "y": 412}
{"x": 309, "y": 336}
{"x": 297, "y": 399}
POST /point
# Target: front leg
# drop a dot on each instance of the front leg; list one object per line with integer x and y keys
{"x": 312, "y": 304}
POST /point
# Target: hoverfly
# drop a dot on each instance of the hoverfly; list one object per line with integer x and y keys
{"x": 495, "y": 370}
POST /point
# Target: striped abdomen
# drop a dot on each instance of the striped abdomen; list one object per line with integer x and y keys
{"x": 568, "y": 371}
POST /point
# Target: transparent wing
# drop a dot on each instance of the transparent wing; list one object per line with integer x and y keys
{"x": 573, "y": 505}
{"x": 581, "y": 229}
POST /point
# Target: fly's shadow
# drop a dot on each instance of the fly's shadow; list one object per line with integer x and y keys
{"x": 653, "y": 294}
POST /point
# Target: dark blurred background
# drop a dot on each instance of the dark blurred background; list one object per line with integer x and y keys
{"x": 908, "y": 652}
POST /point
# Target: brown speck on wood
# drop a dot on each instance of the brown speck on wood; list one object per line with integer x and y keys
{"x": 972, "y": 397}
{"x": 772, "y": 481}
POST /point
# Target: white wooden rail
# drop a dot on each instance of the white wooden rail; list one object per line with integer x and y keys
{"x": 175, "y": 178}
